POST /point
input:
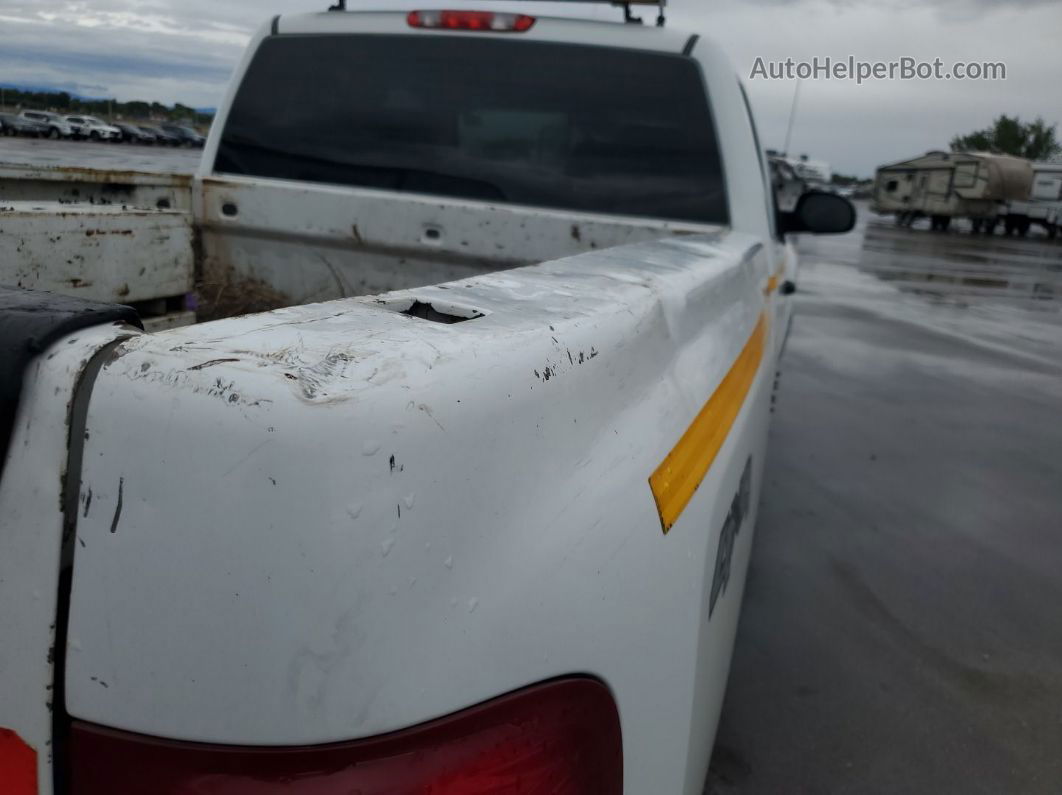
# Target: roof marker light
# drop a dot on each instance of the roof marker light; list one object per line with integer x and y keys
{"x": 481, "y": 21}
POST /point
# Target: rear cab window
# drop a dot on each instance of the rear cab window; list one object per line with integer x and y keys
{"x": 560, "y": 126}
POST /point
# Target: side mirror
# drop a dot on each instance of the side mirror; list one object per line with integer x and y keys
{"x": 820, "y": 213}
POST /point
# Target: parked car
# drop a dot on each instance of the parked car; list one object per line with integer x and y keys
{"x": 186, "y": 135}
{"x": 16, "y": 125}
{"x": 56, "y": 125}
{"x": 162, "y": 138}
{"x": 133, "y": 134}
{"x": 92, "y": 128}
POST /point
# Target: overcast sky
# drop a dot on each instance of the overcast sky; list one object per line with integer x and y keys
{"x": 184, "y": 51}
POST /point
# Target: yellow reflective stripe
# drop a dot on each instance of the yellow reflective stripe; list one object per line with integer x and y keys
{"x": 679, "y": 476}
{"x": 775, "y": 279}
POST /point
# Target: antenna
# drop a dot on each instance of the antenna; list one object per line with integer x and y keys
{"x": 792, "y": 115}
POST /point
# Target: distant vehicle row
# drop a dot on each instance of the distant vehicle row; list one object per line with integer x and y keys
{"x": 45, "y": 124}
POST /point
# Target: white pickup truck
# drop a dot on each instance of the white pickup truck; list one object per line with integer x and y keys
{"x": 481, "y": 526}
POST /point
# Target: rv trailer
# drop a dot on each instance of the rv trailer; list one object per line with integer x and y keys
{"x": 1043, "y": 205}
{"x": 947, "y": 185}
{"x": 788, "y": 185}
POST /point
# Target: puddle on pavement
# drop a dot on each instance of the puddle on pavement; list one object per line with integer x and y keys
{"x": 960, "y": 268}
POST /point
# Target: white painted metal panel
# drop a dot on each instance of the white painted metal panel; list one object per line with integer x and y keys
{"x": 567, "y": 30}
{"x": 101, "y": 186}
{"x": 379, "y": 519}
{"x": 316, "y": 242}
{"x": 103, "y": 253}
{"x": 31, "y": 531}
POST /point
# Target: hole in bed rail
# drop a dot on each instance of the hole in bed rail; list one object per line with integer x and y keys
{"x": 427, "y": 311}
{"x": 435, "y": 311}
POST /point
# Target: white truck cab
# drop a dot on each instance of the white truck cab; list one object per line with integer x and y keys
{"x": 478, "y": 523}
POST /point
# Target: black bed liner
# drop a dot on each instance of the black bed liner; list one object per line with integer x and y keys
{"x": 32, "y": 320}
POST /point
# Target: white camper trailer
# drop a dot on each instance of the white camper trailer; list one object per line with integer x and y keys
{"x": 1043, "y": 205}
{"x": 947, "y": 185}
{"x": 788, "y": 185}
{"x": 816, "y": 173}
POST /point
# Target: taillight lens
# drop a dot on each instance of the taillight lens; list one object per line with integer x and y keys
{"x": 486, "y": 21}
{"x": 559, "y": 738}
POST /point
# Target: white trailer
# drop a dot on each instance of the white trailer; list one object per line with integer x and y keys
{"x": 816, "y": 173}
{"x": 1043, "y": 206}
{"x": 947, "y": 185}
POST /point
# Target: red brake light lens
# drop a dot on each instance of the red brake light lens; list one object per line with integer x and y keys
{"x": 486, "y": 21}
{"x": 560, "y": 738}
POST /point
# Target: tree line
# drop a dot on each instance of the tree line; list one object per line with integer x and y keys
{"x": 1033, "y": 140}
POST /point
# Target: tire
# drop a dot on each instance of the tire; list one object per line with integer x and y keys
{"x": 975, "y": 225}
{"x": 990, "y": 226}
{"x": 945, "y": 222}
{"x": 1023, "y": 228}
{"x": 94, "y": 136}
{"x": 53, "y": 133}
{"x": 1009, "y": 226}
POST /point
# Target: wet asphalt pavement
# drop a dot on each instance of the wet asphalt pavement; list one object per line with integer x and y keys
{"x": 902, "y": 625}
{"x": 109, "y": 156}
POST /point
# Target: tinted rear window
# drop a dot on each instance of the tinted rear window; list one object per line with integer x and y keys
{"x": 551, "y": 125}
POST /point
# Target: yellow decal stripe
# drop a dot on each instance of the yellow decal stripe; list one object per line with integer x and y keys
{"x": 775, "y": 279}
{"x": 679, "y": 476}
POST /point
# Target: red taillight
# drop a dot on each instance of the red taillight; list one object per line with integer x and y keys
{"x": 486, "y": 21}
{"x": 560, "y": 738}
{"x": 18, "y": 765}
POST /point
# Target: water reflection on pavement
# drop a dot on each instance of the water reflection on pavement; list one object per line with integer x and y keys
{"x": 901, "y": 629}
